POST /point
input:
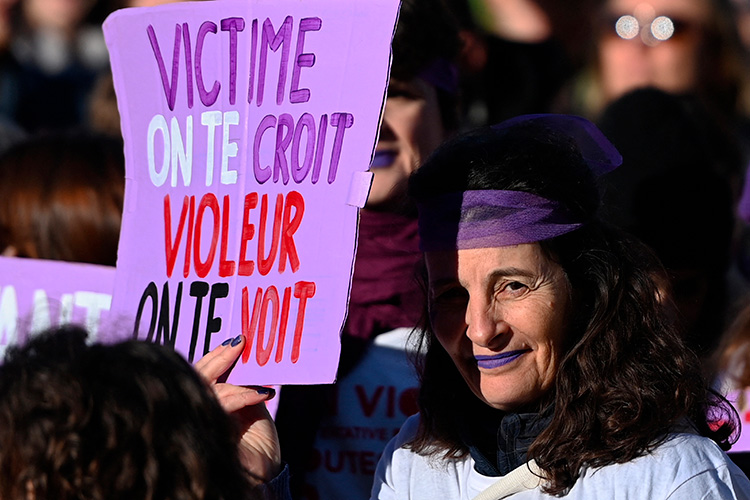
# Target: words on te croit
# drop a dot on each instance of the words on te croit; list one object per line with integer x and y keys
{"x": 246, "y": 232}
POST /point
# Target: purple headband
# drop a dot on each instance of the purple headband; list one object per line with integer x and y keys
{"x": 486, "y": 218}
{"x": 496, "y": 218}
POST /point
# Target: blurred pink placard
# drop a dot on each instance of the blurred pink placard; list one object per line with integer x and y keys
{"x": 249, "y": 127}
{"x": 740, "y": 399}
{"x": 37, "y": 294}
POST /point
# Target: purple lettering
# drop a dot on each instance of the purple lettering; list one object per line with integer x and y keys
{"x": 341, "y": 121}
{"x": 274, "y": 40}
{"x": 322, "y": 127}
{"x": 253, "y": 50}
{"x": 297, "y": 95}
{"x": 188, "y": 64}
{"x": 306, "y": 121}
{"x": 283, "y": 139}
{"x": 262, "y": 174}
{"x": 170, "y": 88}
{"x": 207, "y": 97}
{"x": 233, "y": 25}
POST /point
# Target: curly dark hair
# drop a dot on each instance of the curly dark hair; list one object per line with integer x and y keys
{"x": 626, "y": 378}
{"x": 125, "y": 421}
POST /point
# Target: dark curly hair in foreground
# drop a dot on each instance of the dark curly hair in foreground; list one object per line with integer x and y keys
{"x": 627, "y": 377}
{"x": 125, "y": 421}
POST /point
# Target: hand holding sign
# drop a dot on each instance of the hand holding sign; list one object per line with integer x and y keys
{"x": 249, "y": 127}
{"x": 259, "y": 444}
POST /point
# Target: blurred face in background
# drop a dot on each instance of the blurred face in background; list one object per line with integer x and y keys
{"x": 651, "y": 43}
{"x": 411, "y": 129}
{"x": 6, "y": 21}
{"x": 63, "y": 16}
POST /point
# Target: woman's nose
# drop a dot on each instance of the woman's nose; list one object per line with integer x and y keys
{"x": 484, "y": 326}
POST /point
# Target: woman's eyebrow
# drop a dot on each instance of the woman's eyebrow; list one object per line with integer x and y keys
{"x": 511, "y": 271}
{"x": 492, "y": 276}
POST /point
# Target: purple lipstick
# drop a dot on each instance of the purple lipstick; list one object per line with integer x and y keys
{"x": 497, "y": 360}
{"x": 383, "y": 159}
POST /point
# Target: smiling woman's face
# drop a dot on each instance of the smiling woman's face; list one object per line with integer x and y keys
{"x": 501, "y": 315}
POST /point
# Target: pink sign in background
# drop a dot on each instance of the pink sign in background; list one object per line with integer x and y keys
{"x": 740, "y": 399}
{"x": 249, "y": 127}
{"x": 37, "y": 294}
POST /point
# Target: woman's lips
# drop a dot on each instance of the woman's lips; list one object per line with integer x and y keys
{"x": 497, "y": 360}
{"x": 383, "y": 159}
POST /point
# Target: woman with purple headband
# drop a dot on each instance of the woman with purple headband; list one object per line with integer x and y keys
{"x": 552, "y": 367}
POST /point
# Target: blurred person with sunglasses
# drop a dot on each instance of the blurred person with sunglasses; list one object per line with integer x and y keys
{"x": 678, "y": 46}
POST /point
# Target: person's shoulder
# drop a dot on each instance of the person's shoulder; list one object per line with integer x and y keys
{"x": 690, "y": 450}
{"x": 699, "y": 468}
{"x": 404, "y": 473}
{"x": 398, "y": 447}
{"x": 684, "y": 464}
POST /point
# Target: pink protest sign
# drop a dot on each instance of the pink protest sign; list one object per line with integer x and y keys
{"x": 37, "y": 294}
{"x": 249, "y": 127}
{"x": 740, "y": 399}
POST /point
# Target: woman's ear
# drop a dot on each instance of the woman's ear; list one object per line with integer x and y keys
{"x": 9, "y": 251}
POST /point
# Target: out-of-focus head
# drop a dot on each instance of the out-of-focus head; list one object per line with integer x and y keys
{"x": 422, "y": 102}
{"x": 494, "y": 208}
{"x": 122, "y": 421}
{"x": 7, "y": 9}
{"x": 64, "y": 16}
{"x": 675, "y": 153}
{"x": 61, "y": 198}
{"x": 679, "y": 46}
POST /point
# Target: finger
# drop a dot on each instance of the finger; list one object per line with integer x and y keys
{"x": 233, "y": 397}
{"x": 214, "y": 364}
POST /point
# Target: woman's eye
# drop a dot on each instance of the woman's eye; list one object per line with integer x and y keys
{"x": 514, "y": 287}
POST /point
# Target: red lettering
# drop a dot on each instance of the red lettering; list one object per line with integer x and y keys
{"x": 169, "y": 247}
{"x": 368, "y": 407}
{"x": 265, "y": 263}
{"x": 209, "y": 200}
{"x": 248, "y": 327}
{"x": 189, "y": 241}
{"x": 263, "y": 353}
{"x": 246, "y": 267}
{"x": 284, "y": 322}
{"x": 288, "y": 248}
{"x": 352, "y": 459}
{"x": 226, "y": 267}
{"x": 256, "y": 323}
{"x": 329, "y": 466}
{"x": 287, "y": 218}
{"x": 303, "y": 290}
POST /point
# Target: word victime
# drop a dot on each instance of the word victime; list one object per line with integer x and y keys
{"x": 163, "y": 326}
{"x": 293, "y": 149}
{"x": 270, "y": 39}
{"x": 287, "y": 217}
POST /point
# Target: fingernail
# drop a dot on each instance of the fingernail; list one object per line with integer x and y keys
{"x": 227, "y": 342}
{"x": 236, "y": 340}
{"x": 266, "y": 390}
